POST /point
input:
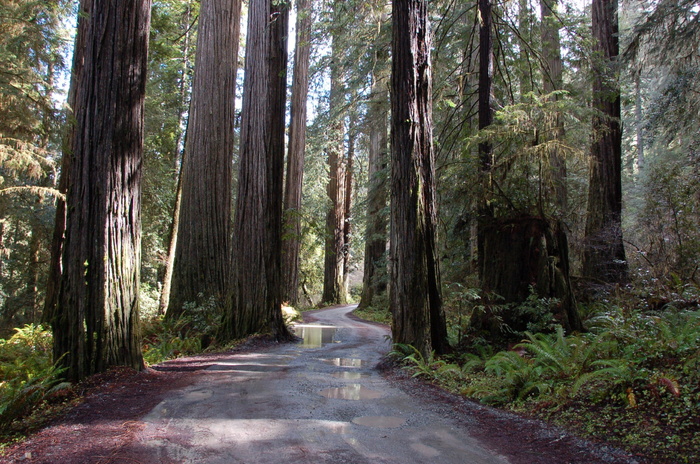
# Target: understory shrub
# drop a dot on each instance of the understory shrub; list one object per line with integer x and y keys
{"x": 28, "y": 375}
{"x": 637, "y": 370}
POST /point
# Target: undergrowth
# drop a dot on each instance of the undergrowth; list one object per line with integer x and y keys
{"x": 375, "y": 314}
{"x": 29, "y": 378}
{"x": 633, "y": 379}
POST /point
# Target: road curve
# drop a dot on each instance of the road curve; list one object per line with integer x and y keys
{"x": 321, "y": 401}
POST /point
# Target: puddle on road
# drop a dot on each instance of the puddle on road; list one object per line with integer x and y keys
{"x": 380, "y": 422}
{"x": 346, "y": 362}
{"x": 354, "y": 392}
{"x": 198, "y": 395}
{"x": 247, "y": 367}
{"x": 349, "y": 375}
{"x": 315, "y": 336}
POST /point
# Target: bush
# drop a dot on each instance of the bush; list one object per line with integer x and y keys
{"x": 29, "y": 377}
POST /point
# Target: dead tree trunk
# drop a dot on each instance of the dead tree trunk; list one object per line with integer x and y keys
{"x": 525, "y": 254}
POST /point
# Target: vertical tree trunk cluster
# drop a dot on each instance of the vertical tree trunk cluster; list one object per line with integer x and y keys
{"x": 604, "y": 252}
{"x": 202, "y": 263}
{"x": 257, "y": 229}
{"x": 291, "y": 243}
{"x": 415, "y": 296}
{"x": 96, "y": 319}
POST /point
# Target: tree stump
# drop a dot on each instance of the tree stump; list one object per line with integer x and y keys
{"x": 521, "y": 254}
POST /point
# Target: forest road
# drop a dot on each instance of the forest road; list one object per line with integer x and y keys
{"x": 319, "y": 401}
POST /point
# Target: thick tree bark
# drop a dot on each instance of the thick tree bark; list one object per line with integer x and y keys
{"x": 525, "y": 253}
{"x": 333, "y": 279}
{"x": 202, "y": 263}
{"x": 96, "y": 323}
{"x": 415, "y": 295}
{"x": 604, "y": 252}
{"x": 279, "y": 30}
{"x": 291, "y": 243}
{"x": 53, "y": 283}
{"x": 374, "y": 280}
{"x": 256, "y": 299}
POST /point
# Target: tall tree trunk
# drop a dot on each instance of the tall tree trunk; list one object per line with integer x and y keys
{"x": 552, "y": 81}
{"x": 274, "y": 182}
{"x": 349, "y": 174}
{"x": 485, "y": 215}
{"x": 524, "y": 67}
{"x": 179, "y": 161}
{"x": 333, "y": 279}
{"x": 96, "y": 323}
{"x": 291, "y": 242}
{"x": 604, "y": 252}
{"x": 374, "y": 280}
{"x": 256, "y": 293}
{"x": 415, "y": 295}
{"x": 202, "y": 263}
{"x": 172, "y": 248}
{"x": 53, "y": 282}
{"x": 639, "y": 121}
{"x": 31, "y": 304}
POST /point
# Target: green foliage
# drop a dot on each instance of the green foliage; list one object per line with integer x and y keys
{"x": 29, "y": 377}
{"x": 188, "y": 335}
{"x": 635, "y": 377}
{"x": 165, "y": 340}
{"x": 171, "y": 60}
{"x": 376, "y": 313}
{"x": 428, "y": 367}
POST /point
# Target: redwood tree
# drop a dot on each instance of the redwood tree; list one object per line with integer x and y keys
{"x": 415, "y": 297}
{"x": 295, "y": 159}
{"x": 334, "y": 257}
{"x": 256, "y": 285}
{"x": 96, "y": 319}
{"x": 56, "y": 266}
{"x": 604, "y": 252}
{"x": 203, "y": 255}
{"x": 552, "y": 81}
{"x": 374, "y": 280}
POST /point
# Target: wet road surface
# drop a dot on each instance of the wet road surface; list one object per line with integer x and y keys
{"x": 319, "y": 401}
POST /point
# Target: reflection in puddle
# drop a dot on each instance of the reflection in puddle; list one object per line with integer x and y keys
{"x": 349, "y": 375}
{"x": 346, "y": 362}
{"x": 353, "y": 392}
{"x": 380, "y": 422}
{"x": 315, "y": 336}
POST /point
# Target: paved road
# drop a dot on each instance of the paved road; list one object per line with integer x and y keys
{"x": 320, "y": 401}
